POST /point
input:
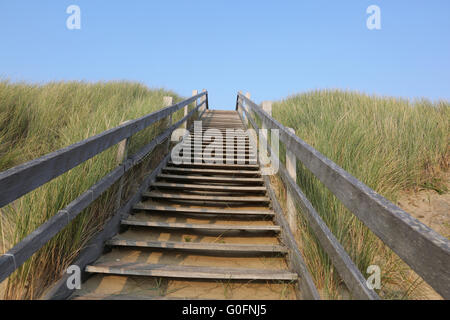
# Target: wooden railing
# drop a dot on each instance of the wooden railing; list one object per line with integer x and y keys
{"x": 424, "y": 250}
{"x": 20, "y": 180}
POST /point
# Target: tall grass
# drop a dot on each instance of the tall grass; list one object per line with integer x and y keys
{"x": 390, "y": 145}
{"x": 37, "y": 119}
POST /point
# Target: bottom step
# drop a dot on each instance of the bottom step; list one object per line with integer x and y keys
{"x": 191, "y": 272}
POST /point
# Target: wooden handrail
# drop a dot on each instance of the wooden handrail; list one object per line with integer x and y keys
{"x": 94, "y": 249}
{"x": 16, "y": 256}
{"x": 423, "y": 249}
{"x": 348, "y": 271}
{"x": 306, "y": 284}
{"x": 26, "y": 177}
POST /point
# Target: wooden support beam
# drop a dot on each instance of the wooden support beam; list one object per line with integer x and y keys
{"x": 122, "y": 155}
{"x": 167, "y": 101}
{"x": 291, "y": 166}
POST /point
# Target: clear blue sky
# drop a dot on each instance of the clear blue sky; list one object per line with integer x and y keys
{"x": 270, "y": 48}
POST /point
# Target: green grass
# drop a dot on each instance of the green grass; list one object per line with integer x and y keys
{"x": 390, "y": 145}
{"x": 38, "y": 119}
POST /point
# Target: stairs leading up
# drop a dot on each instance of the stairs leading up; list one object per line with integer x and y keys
{"x": 203, "y": 231}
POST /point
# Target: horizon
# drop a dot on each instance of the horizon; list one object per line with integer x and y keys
{"x": 272, "y": 50}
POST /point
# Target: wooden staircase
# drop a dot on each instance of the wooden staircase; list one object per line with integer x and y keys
{"x": 202, "y": 231}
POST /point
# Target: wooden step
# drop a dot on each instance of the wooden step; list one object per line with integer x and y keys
{"x": 223, "y": 156}
{"x": 230, "y": 126}
{"x": 209, "y": 161}
{"x": 224, "y": 145}
{"x": 233, "y": 125}
{"x": 223, "y": 131}
{"x": 206, "y": 187}
{"x": 216, "y": 145}
{"x": 190, "y": 272}
{"x": 212, "y": 153}
{"x": 203, "y": 211}
{"x": 211, "y": 132}
{"x": 200, "y": 197}
{"x": 213, "y": 171}
{"x": 218, "y": 248}
{"x": 208, "y": 135}
{"x": 221, "y": 166}
{"x": 207, "y": 140}
{"x": 210, "y": 179}
{"x": 200, "y": 227}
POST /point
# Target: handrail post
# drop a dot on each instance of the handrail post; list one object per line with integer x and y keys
{"x": 168, "y": 101}
{"x": 248, "y": 96}
{"x": 291, "y": 166}
{"x": 186, "y": 111}
{"x": 267, "y": 107}
{"x": 194, "y": 93}
{"x": 239, "y": 104}
{"x": 237, "y": 101}
{"x": 253, "y": 138}
{"x": 205, "y": 98}
{"x": 122, "y": 155}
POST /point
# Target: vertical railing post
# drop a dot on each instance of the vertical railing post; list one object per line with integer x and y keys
{"x": 248, "y": 96}
{"x": 168, "y": 101}
{"x": 267, "y": 107}
{"x": 186, "y": 111}
{"x": 253, "y": 155}
{"x": 291, "y": 166}
{"x": 122, "y": 155}
{"x": 205, "y": 98}
{"x": 239, "y": 105}
{"x": 194, "y": 93}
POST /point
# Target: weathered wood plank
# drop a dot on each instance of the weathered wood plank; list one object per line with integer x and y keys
{"x": 192, "y": 146}
{"x": 200, "y": 246}
{"x": 423, "y": 249}
{"x": 191, "y": 272}
{"x": 26, "y": 177}
{"x": 186, "y": 186}
{"x": 206, "y": 211}
{"x": 200, "y": 197}
{"x": 214, "y": 171}
{"x": 217, "y": 165}
{"x": 210, "y": 179}
{"x": 204, "y": 226}
{"x": 223, "y": 157}
{"x": 218, "y": 161}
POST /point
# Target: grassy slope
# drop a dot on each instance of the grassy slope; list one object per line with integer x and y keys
{"x": 389, "y": 144}
{"x": 35, "y": 120}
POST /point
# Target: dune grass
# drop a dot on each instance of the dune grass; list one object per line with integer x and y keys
{"x": 38, "y": 119}
{"x": 389, "y": 144}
